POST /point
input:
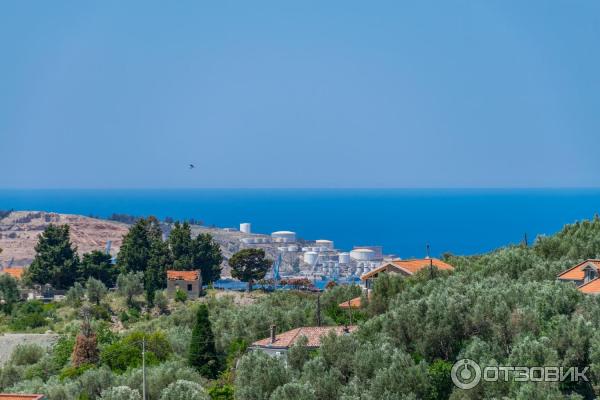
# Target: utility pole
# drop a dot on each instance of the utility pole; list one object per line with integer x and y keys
{"x": 144, "y": 368}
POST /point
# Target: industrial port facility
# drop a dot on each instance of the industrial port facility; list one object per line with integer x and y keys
{"x": 312, "y": 259}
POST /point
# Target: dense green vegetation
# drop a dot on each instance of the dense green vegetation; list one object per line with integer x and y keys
{"x": 501, "y": 308}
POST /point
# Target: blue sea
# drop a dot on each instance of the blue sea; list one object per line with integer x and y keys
{"x": 403, "y": 221}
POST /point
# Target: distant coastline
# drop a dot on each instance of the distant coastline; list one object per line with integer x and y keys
{"x": 403, "y": 221}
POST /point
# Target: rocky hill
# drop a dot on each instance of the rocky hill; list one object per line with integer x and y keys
{"x": 19, "y": 231}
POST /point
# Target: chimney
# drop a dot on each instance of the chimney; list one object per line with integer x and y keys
{"x": 273, "y": 327}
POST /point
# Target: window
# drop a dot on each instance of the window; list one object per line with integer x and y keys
{"x": 189, "y": 287}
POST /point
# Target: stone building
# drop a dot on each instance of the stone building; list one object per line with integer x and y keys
{"x": 190, "y": 282}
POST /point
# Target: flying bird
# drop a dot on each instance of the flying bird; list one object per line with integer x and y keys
{"x": 192, "y": 166}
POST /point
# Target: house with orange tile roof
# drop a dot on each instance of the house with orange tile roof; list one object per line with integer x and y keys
{"x": 278, "y": 344}
{"x": 591, "y": 287}
{"x": 14, "y": 272}
{"x": 581, "y": 273}
{"x": 404, "y": 268}
{"x": 585, "y": 276}
{"x": 16, "y": 396}
{"x": 353, "y": 304}
{"x": 190, "y": 282}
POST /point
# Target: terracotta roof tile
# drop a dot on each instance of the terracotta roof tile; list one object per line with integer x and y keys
{"x": 15, "y": 396}
{"x": 592, "y": 287}
{"x": 15, "y": 273}
{"x": 312, "y": 333}
{"x": 182, "y": 275}
{"x": 576, "y": 273}
{"x": 409, "y": 266}
{"x": 354, "y": 303}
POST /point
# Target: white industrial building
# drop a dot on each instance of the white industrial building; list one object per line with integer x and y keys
{"x": 246, "y": 227}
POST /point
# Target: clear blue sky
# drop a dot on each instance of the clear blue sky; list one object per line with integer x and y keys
{"x": 299, "y": 94}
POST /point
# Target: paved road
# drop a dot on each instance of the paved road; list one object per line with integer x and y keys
{"x": 9, "y": 341}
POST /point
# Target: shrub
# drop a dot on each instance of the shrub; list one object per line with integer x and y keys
{"x": 160, "y": 376}
{"x": 184, "y": 390}
{"x": 127, "y": 352}
{"x": 73, "y": 372}
{"x": 94, "y": 381}
{"x": 180, "y": 296}
{"x": 62, "y": 350}
{"x": 120, "y": 393}
{"x": 9, "y": 375}
{"x": 9, "y": 293}
{"x": 225, "y": 392}
{"x": 30, "y": 314}
{"x": 26, "y": 354}
{"x": 258, "y": 375}
{"x": 161, "y": 302}
{"x": 294, "y": 391}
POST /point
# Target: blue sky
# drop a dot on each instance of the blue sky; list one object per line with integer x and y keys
{"x": 299, "y": 94}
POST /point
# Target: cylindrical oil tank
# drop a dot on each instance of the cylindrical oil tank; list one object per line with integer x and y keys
{"x": 344, "y": 258}
{"x": 292, "y": 248}
{"x": 282, "y": 249}
{"x": 310, "y": 257}
{"x": 362, "y": 254}
{"x": 284, "y": 236}
{"x": 324, "y": 243}
{"x": 246, "y": 227}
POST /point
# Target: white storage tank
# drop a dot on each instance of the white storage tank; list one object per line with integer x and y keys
{"x": 292, "y": 248}
{"x": 324, "y": 243}
{"x": 282, "y": 249}
{"x": 246, "y": 227}
{"x": 323, "y": 248}
{"x": 362, "y": 254}
{"x": 344, "y": 258}
{"x": 283, "y": 236}
{"x": 247, "y": 240}
{"x": 310, "y": 257}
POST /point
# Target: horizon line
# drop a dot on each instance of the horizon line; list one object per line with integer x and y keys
{"x": 315, "y": 188}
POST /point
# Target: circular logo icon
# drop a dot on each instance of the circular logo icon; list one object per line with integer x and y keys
{"x": 466, "y": 374}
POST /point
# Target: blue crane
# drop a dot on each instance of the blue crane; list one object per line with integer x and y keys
{"x": 276, "y": 265}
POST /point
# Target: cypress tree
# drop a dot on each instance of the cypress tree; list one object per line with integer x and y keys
{"x": 55, "y": 260}
{"x": 203, "y": 355}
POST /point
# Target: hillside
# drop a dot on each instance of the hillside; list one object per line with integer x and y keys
{"x": 20, "y": 229}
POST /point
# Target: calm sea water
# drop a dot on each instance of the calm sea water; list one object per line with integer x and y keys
{"x": 401, "y": 220}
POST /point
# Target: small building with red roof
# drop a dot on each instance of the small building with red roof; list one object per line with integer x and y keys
{"x": 14, "y": 272}
{"x": 581, "y": 273}
{"x": 16, "y": 396}
{"x": 279, "y": 344}
{"x": 404, "y": 268}
{"x": 585, "y": 276}
{"x": 190, "y": 282}
{"x": 591, "y": 287}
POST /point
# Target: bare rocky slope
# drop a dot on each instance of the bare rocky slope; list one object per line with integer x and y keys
{"x": 20, "y": 229}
